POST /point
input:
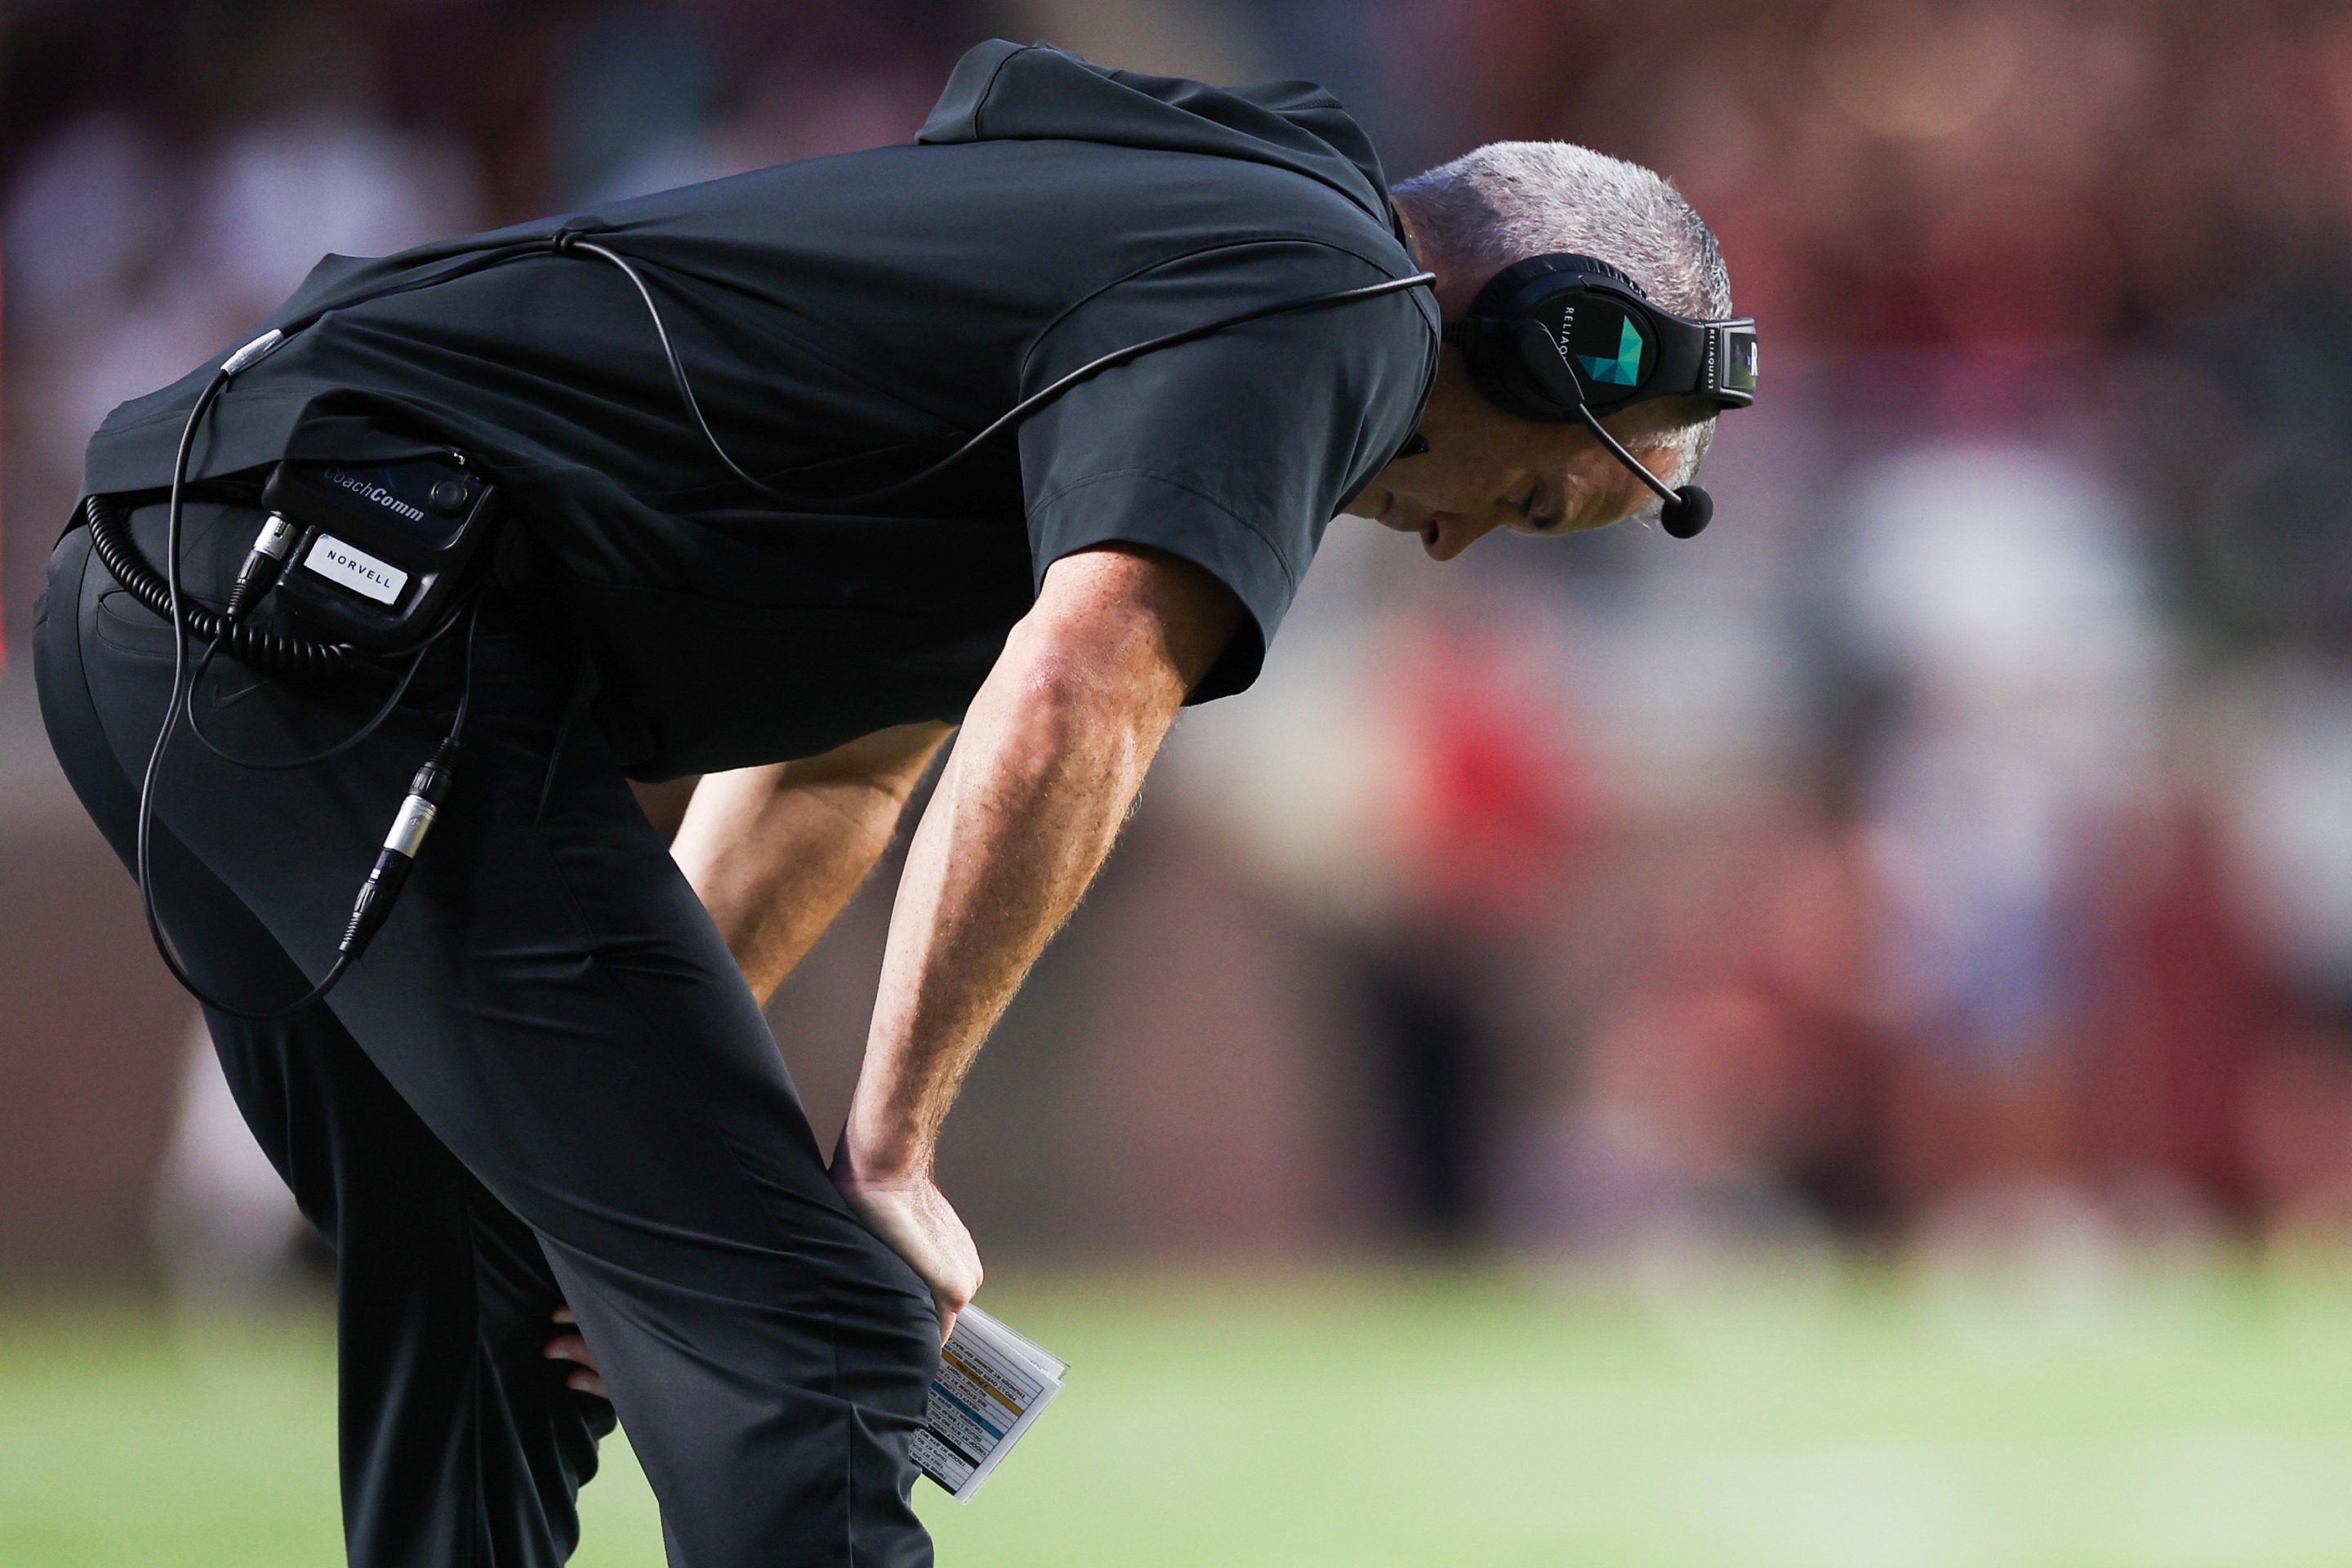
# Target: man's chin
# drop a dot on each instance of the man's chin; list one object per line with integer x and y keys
{"x": 1375, "y": 501}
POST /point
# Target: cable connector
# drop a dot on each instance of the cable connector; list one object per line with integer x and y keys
{"x": 402, "y": 845}
{"x": 252, "y": 351}
{"x": 262, "y": 564}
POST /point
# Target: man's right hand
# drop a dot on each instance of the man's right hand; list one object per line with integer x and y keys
{"x": 916, "y": 1219}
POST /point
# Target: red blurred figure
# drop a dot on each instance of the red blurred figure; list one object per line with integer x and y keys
{"x": 1496, "y": 804}
{"x": 1494, "y": 808}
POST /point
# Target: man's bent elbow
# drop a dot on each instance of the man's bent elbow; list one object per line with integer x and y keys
{"x": 1072, "y": 684}
{"x": 1132, "y": 604}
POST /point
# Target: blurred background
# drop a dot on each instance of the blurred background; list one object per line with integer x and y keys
{"x": 1828, "y": 1044}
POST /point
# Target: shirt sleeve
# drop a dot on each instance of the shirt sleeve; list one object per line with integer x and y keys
{"x": 1234, "y": 450}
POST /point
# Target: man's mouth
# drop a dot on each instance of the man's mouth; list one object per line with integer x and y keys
{"x": 1405, "y": 518}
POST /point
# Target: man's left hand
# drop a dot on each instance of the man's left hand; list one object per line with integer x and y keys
{"x": 583, "y": 1377}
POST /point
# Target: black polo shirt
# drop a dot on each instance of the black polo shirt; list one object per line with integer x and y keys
{"x": 846, "y": 322}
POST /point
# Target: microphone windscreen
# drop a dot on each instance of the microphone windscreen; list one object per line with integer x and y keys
{"x": 1689, "y": 513}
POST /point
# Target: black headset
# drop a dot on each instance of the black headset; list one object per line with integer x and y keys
{"x": 1560, "y": 339}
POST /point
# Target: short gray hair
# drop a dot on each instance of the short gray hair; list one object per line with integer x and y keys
{"x": 1511, "y": 200}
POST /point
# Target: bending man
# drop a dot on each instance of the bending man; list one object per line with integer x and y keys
{"x": 549, "y": 1081}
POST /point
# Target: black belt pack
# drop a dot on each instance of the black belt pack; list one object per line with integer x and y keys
{"x": 379, "y": 549}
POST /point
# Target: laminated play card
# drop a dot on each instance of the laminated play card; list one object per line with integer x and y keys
{"x": 990, "y": 1386}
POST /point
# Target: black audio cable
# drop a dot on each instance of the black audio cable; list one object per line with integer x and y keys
{"x": 375, "y": 720}
{"x": 568, "y": 243}
{"x": 386, "y": 879}
{"x": 259, "y": 645}
{"x": 376, "y": 895}
{"x": 229, "y": 629}
{"x": 291, "y": 654}
{"x": 143, "y": 854}
{"x": 417, "y": 813}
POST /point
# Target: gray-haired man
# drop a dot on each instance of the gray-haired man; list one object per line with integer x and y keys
{"x": 548, "y": 1085}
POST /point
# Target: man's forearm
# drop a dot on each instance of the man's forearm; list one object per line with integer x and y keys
{"x": 1052, "y": 751}
{"x": 776, "y": 852}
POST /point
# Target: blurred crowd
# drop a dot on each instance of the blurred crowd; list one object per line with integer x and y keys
{"x": 1959, "y": 829}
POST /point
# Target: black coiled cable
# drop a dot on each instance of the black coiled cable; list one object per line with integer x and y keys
{"x": 258, "y": 645}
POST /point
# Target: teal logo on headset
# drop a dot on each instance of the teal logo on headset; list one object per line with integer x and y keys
{"x": 1625, "y": 370}
{"x": 1608, "y": 345}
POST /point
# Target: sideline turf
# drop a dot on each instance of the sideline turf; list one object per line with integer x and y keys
{"x": 2159, "y": 1418}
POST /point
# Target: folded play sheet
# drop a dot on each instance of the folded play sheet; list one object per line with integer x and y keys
{"x": 990, "y": 1385}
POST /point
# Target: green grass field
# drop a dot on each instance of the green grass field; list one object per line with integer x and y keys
{"x": 2171, "y": 1418}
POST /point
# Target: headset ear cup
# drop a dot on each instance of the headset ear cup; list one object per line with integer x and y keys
{"x": 1507, "y": 364}
{"x": 1489, "y": 355}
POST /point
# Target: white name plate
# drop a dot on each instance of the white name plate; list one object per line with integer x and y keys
{"x": 355, "y": 569}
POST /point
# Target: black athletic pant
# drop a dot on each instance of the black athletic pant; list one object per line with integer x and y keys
{"x": 545, "y": 1082}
